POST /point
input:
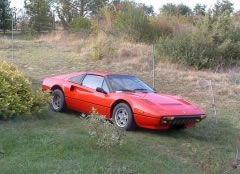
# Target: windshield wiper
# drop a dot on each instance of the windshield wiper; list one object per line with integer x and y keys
{"x": 126, "y": 90}
{"x": 140, "y": 89}
{"x": 144, "y": 90}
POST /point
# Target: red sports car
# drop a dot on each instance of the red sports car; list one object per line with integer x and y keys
{"x": 125, "y": 99}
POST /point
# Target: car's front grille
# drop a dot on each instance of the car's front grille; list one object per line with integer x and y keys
{"x": 185, "y": 120}
{"x": 180, "y": 120}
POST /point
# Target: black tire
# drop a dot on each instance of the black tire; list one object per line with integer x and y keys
{"x": 58, "y": 101}
{"x": 129, "y": 122}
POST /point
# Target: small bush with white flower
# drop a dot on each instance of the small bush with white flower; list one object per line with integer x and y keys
{"x": 105, "y": 133}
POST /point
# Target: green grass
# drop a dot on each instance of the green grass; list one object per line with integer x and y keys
{"x": 60, "y": 143}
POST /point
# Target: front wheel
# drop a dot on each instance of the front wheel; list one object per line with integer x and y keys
{"x": 123, "y": 117}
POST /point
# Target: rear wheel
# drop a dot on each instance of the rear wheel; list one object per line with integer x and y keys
{"x": 58, "y": 101}
{"x": 123, "y": 117}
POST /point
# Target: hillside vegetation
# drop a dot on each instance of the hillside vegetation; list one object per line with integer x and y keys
{"x": 49, "y": 141}
{"x": 197, "y": 56}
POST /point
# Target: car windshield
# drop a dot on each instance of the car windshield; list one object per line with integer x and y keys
{"x": 128, "y": 83}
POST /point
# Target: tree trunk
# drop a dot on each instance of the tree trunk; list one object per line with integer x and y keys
{"x": 82, "y": 2}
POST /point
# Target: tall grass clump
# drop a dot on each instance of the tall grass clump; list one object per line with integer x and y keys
{"x": 103, "y": 47}
{"x": 213, "y": 43}
{"x": 16, "y": 95}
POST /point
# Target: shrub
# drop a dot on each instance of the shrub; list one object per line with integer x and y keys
{"x": 81, "y": 24}
{"x": 213, "y": 43}
{"x": 16, "y": 95}
{"x": 160, "y": 27}
{"x": 133, "y": 23}
{"x": 105, "y": 133}
{"x": 103, "y": 47}
{"x": 188, "y": 50}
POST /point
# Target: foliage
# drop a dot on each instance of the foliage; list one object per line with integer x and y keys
{"x": 175, "y": 10}
{"x": 149, "y": 10}
{"x": 61, "y": 143}
{"x": 103, "y": 47}
{"x": 160, "y": 27}
{"x": 222, "y": 6}
{"x": 22, "y": 20}
{"x": 199, "y": 10}
{"x": 212, "y": 44}
{"x": 5, "y": 15}
{"x": 68, "y": 10}
{"x": 39, "y": 100}
{"x": 108, "y": 15}
{"x": 81, "y": 24}
{"x": 96, "y": 5}
{"x": 16, "y": 95}
{"x": 105, "y": 133}
{"x": 39, "y": 12}
{"x": 185, "y": 49}
{"x": 133, "y": 22}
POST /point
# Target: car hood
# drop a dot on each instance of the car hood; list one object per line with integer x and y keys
{"x": 168, "y": 104}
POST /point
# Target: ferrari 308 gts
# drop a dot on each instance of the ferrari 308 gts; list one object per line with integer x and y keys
{"x": 124, "y": 99}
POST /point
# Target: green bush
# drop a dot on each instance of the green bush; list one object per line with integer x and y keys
{"x": 106, "y": 134}
{"x": 214, "y": 43}
{"x": 133, "y": 22}
{"x": 188, "y": 50}
{"x": 16, "y": 95}
{"x": 81, "y": 24}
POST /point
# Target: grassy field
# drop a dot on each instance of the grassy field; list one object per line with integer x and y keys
{"x": 60, "y": 143}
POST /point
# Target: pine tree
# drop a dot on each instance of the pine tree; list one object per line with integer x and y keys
{"x": 5, "y": 15}
{"x": 40, "y": 14}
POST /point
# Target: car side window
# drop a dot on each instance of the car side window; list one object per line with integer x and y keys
{"x": 92, "y": 81}
{"x": 77, "y": 79}
{"x": 105, "y": 87}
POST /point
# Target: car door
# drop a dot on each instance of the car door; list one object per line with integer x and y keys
{"x": 86, "y": 97}
{"x": 93, "y": 99}
{"x": 72, "y": 93}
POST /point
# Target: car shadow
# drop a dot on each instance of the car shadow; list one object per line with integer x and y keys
{"x": 208, "y": 131}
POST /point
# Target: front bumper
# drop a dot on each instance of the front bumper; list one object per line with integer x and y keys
{"x": 167, "y": 122}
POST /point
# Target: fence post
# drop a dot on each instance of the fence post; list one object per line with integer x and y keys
{"x": 213, "y": 101}
{"x": 153, "y": 65}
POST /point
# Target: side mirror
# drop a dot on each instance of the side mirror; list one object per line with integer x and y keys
{"x": 101, "y": 90}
